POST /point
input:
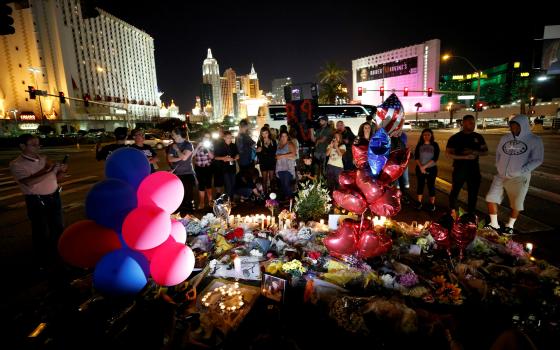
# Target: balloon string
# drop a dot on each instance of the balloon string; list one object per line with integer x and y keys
{"x": 361, "y": 224}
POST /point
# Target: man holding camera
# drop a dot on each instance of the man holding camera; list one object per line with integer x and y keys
{"x": 38, "y": 180}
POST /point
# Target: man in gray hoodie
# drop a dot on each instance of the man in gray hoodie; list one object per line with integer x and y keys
{"x": 518, "y": 153}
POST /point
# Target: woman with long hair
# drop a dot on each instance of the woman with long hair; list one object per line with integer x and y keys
{"x": 365, "y": 133}
{"x": 203, "y": 156}
{"x": 426, "y": 156}
{"x": 266, "y": 153}
{"x": 335, "y": 152}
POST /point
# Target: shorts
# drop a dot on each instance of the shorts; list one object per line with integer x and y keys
{"x": 204, "y": 177}
{"x": 516, "y": 189}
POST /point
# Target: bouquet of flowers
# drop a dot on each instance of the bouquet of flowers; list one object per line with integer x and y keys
{"x": 313, "y": 201}
{"x": 287, "y": 215}
{"x": 271, "y": 203}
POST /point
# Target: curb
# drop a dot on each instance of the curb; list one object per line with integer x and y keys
{"x": 524, "y": 224}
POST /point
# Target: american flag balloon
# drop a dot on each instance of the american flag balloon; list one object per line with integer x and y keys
{"x": 390, "y": 115}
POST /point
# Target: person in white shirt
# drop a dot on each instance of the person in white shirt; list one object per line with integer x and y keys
{"x": 335, "y": 152}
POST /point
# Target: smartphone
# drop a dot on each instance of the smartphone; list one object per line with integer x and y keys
{"x": 65, "y": 160}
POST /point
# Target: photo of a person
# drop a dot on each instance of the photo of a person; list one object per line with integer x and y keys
{"x": 551, "y": 56}
{"x": 273, "y": 288}
{"x": 363, "y": 74}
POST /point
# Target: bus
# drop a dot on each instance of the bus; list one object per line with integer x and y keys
{"x": 352, "y": 115}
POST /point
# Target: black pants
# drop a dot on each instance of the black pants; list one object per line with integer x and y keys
{"x": 45, "y": 214}
{"x": 186, "y": 206}
{"x": 429, "y": 178}
{"x": 471, "y": 175}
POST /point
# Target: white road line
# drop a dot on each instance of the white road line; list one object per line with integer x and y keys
{"x": 533, "y": 191}
{"x": 21, "y": 204}
{"x": 13, "y": 195}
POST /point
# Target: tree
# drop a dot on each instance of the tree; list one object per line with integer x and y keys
{"x": 169, "y": 124}
{"x": 418, "y": 105}
{"x": 332, "y": 79}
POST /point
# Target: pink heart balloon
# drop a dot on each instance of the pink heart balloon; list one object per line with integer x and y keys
{"x": 355, "y": 224}
{"x": 440, "y": 235}
{"x": 342, "y": 241}
{"x": 350, "y": 200}
{"x": 347, "y": 178}
{"x": 372, "y": 244}
{"x": 395, "y": 166}
{"x": 369, "y": 187}
{"x": 359, "y": 153}
{"x": 389, "y": 204}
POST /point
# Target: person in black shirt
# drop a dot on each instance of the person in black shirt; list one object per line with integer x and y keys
{"x": 464, "y": 148}
{"x": 120, "y": 136}
{"x": 307, "y": 170}
{"x": 225, "y": 155}
{"x": 347, "y": 139}
{"x": 138, "y": 136}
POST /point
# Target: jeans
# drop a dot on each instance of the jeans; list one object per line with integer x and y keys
{"x": 229, "y": 184}
{"x": 403, "y": 181}
{"x": 186, "y": 206}
{"x": 286, "y": 178}
{"x": 332, "y": 176}
{"x": 429, "y": 178}
{"x": 45, "y": 214}
{"x": 471, "y": 175}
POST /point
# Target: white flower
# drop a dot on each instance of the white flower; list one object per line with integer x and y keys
{"x": 256, "y": 252}
{"x": 388, "y": 281}
{"x": 213, "y": 263}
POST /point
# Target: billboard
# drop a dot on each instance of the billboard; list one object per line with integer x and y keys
{"x": 388, "y": 70}
{"x": 551, "y": 56}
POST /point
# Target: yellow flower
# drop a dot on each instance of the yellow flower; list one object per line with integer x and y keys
{"x": 440, "y": 280}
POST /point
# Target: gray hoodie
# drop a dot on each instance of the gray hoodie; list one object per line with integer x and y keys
{"x": 519, "y": 155}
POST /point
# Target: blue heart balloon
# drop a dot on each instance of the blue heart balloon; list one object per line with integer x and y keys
{"x": 378, "y": 151}
{"x": 128, "y": 164}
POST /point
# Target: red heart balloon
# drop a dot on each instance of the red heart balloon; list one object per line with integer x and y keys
{"x": 342, "y": 241}
{"x": 355, "y": 224}
{"x": 395, "y": 166}
{"x": 359, "y": 153}
{"x": 369, "y": 187}
{"x": 350, "y": 200}
{"x": 347, "y": 178}
{"x": 440, "y": 235}
{"x": 463, "y": 233}
{"x": 373, "y": 244}
{"x": 389, "y": 204}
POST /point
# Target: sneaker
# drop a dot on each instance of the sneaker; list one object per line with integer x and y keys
{"x": 507, "y": 231}
{"x": 488, "y": 226}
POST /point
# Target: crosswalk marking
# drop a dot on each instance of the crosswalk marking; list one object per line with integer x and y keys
{"x": 19, "y": 194}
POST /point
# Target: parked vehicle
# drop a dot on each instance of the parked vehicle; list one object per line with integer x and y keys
{"x": 152, "y": 140}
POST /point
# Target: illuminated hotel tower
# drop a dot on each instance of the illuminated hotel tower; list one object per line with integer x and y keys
{"x": 211, "y": 75}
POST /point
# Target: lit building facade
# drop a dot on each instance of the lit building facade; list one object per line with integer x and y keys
{"x": 228, "y": 89}
{"x": 415, "y": 67}
{"x": 499, "y": 85}
{"x": 278, "y": 90}
{"x": 57, "y": 48}
{"x": 211, "y": 75}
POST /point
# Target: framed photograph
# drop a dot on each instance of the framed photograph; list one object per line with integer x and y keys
{"x": 273, "y": 288}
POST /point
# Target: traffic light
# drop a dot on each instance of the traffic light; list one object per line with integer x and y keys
{"x": 479, "y": 106}
{"x": 6, "y": 20}
{"x": 381, "y": 91}
{"x": 32, "y": 92}
{"x": 405, "y": 92}
{"x": 61, "y": 97}
{"x": 430, "y": 92}
{"x": 359, "y": 91}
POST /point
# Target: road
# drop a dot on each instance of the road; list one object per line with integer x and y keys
{"x": 542, "y": 204}
{"x": 543, "y": 200}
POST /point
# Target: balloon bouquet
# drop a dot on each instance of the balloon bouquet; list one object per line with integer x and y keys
{"x": 370, "y": 187}
{"x": 129, "y": 234}
{"x": 460, "y": 233}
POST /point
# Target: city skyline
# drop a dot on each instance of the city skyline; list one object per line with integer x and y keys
{"x": 297, "y": 41}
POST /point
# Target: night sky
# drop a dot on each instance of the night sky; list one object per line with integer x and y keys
{"x": 296, "y": 38}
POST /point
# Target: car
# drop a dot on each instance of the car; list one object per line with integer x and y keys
{"x": 407, "y": 126}
{"x": 152, "y": 140}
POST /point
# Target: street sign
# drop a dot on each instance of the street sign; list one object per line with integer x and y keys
{"x": 466, "y": 97}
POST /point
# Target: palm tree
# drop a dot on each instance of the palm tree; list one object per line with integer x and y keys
{"x": 332, "y": 79}
{"x": 418, "y": 105}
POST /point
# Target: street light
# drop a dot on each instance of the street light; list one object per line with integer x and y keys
{"x": 478, "y": 74}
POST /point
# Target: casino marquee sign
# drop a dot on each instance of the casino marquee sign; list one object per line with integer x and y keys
{"x": 388, "y": 70}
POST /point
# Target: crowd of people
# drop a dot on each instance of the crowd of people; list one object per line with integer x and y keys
{"x": 249, "y": 170}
